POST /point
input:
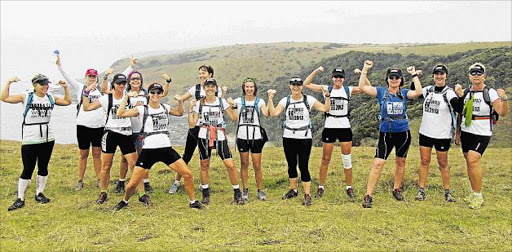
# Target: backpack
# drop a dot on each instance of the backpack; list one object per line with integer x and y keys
{"x": 145, "y": 118}
{"x": 347, "y": 91}
{"x": 198, "y": 92}
{"x": 30, "y": 100}
{"x": 493, "y": 116}
{"x": 305, "y": 101}
{"x": 452, "y": 111}
{"x": 392, "y": 117}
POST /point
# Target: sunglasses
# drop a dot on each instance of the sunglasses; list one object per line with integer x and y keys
{"x": 42, "y": 84}
{"x": 122, "y": 83}
{"x": 338, "y": 76}
{"x": 156, "y": 92}
{"x": 476, "y": 73}
{"x": 296, "y": 83}
{"x": 393, "y": 77}
{"x": 134, "y": 78}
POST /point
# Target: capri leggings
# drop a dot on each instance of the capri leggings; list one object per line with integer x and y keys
{"x": 32, "y": 153}
{"x": 298, "y": 149}
{"x": 190, "y": 144}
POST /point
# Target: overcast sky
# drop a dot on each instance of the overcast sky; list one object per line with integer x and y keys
{"x": 94, "y": 34}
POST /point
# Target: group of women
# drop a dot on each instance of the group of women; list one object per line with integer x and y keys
{"x": 117, "y": 113}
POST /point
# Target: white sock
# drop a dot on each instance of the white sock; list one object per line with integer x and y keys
{"x": 205, "y": 186}
{"x": 41, "y": 184}
{"x": 145, "y": 180}
{"x": 349, "y": 186}
{"x": 295, "y": 190}
{"x": 177, "y": 182}
{"x": 237, "y": 186}
{"x": 478, "y": 194}
{"x": 125, "y": 201}
{"x": 192, "y": 201}
{"x": 321, "y": 187}
{"x": 121, "y": 179}
{"x": 22, "y": 187}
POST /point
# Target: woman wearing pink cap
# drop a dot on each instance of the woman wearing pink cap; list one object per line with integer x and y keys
{"x": 89, "y": 124}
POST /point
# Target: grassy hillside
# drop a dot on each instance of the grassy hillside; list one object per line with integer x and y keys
{"x": 72, "y": 221}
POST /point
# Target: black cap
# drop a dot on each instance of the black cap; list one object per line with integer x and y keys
{"x": 296, "y": 81}
{"x": 119, "y": 78}
{"x": 394, "y": 71}
{"x": 155, "y": 86}
{"x": 477, "y": 68}
{"x": 440, "y": 68}
{"x": 210, "y": 81}
{"x": 338, "y": 71}
{"x": 40, "y": 78}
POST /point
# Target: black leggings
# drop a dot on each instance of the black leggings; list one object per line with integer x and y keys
{"x": 30, "y": 153}
{"x": 191, "y": 144}
{"x": 298, "y": 149}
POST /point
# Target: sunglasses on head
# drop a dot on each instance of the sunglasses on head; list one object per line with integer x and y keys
{"x": 476, "y": 73}
{"x": 393, "y": 77}
{"x": 338, "y": 76}
{"x": 249, "y": 80}
{"x": 135, "y": 78}
{"x": 156, "y": 92}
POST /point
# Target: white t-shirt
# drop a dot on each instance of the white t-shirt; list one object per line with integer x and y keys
{"x": 249, "y": 117}
{"x": 297, "y": 116}
{"x": 157, "y": 121}
{"x": 480, "y": 127}
{"x": 437, "y": 119}
{"x": 211, "y": 114}
{"x": 121, "y": 125}
{"x": 138, "y": 101}
{"x": 40, "y": 111}
{"x": 202, "y": 93}
{"x": 338, "y": 107}
{"x": 91, "y": 119}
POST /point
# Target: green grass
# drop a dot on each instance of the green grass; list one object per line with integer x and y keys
{"x": 72, "y": 221}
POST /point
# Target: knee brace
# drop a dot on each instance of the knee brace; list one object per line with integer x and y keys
{"x": 347, "y": 161}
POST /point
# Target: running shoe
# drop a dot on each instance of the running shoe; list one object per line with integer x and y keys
{"x": 42, "y": 199}
{"x": 307, "y": 200}
{"x": 245, "y": 194}
{"x": 350, "y": 193}
{"x": 120, "y": 205}
{"x": 367, "y": 201}
{"x": 16, "y": 205}
{"x": 421, "y": 196}
{"x": 397, "y": 193}
{"x": 261, "y": 195}
{"x": 196, "y": 205}
{"x": 238, "y": 197}
{"x": 319, "y": 193}
{"x": 449, "y": 198}
{"x": 174, "y": 187}
{"x": 119, "y": 187}
{"x": 79, "y": 185}
{"x": 102, "y": 198}
{"x": 144, "y": 199}
{"x": 469, "y": 198}
{"x": 148, "y": 188}
{"x": 290, "y": 194}
{"x": 206, "y": 196}
{"x": 476, "y": 202}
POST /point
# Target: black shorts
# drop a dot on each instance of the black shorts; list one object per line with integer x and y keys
{"x": 148, "y": 157}
{"x": 474, "y": 142}
{"x": 439, "y": 143}
{"x": 205, "y": 152}
{"x": 330, "y": 135}
{"x": 88, "y": 136}
{"x": 400, "y": 140}
{"x": 111, "y": 140}
{"x": 254, "y": 146}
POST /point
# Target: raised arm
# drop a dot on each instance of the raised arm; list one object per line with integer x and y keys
{"x": 167, "y": 83}
{"x": 192, "y": 115}
{"x": 264, "y": 109}
{"x": 309, "y": 79}
{"x": 74, "y": 83}
{"x": 355, "y": 89}
{"x": 179, "y": 110}
{"x": 231, "y": 112}
{"x": 5, "y": 97}
{"x": 364, "y": 84}
{"x": 501, "y": 105}
{"x": 122, "y": 111}
{"x": 413, "y": 94}
{"x": 318, "y": 106}
{"x": 278, "y": 109}
{"x": 86, "y": 104}
{"x": 67, "y": 96}
{"x": 104, "y": 83}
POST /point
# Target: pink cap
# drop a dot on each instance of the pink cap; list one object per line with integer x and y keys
{"x": 91, "y": 72}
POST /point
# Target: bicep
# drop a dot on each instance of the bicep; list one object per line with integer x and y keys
{"x": 314, "y": 87}
{"x": 15, "y": 98}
